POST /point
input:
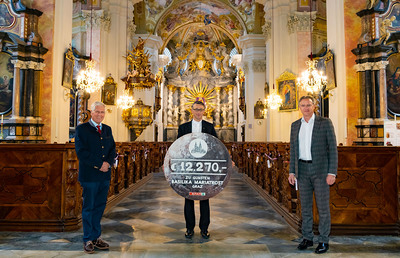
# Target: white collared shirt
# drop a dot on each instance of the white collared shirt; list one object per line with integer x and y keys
{"x": 196, "y": 126}
{"x": 305, "y": 135}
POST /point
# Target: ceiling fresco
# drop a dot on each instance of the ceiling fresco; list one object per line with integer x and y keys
{"x": 199, "y": 13}
{"x": 174, "y": 19}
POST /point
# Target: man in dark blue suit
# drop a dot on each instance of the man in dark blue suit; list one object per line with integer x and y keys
{"x": 197, "y": 125}
{"x": 95, "y": 148}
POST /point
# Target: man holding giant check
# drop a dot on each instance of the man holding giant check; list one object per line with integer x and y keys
{"x": 198, "y": 167}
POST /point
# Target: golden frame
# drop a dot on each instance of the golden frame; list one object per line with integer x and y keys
{"x": 287, "y": 89}
{"x": 68, "y": 69}
{"x": 109, "y": 91}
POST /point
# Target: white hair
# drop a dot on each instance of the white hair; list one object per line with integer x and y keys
{"x": 95, "y": 104}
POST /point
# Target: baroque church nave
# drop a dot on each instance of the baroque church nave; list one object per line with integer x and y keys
{"x": 151, "y": 60}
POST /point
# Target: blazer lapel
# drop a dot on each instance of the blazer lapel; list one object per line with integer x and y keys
{"x": 317, "y": 125}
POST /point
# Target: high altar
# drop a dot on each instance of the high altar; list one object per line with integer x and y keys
{"x": 200, "y": 70}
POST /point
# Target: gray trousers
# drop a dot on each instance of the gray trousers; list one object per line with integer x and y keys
{"x": 308, "y": 183}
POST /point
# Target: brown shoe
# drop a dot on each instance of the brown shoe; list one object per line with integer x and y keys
{"x": 101, "y": 244}
{"x": 88, "y": 247}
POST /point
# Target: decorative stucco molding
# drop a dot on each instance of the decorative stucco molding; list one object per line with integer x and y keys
{"x": 131, "y": 28}
{"x": 100, "y": 20}
{"x": 267, "y": 29}
{"x": 371, "y": 66}
{"x": 300, "y": 21}
{"x": 259, "y": 65}
{"x": 28, "y": 65}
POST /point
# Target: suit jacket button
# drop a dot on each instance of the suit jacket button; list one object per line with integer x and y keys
{"x": 102, "y": 147}
{"x": 103, "y": 156}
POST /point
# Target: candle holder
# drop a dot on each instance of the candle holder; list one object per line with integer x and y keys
{"x": 1, "y": 132}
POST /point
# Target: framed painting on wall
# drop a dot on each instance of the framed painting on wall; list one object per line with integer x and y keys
{"x": 288, "y": 91}
{"x": 109, "y": 91}
{"x": 68, "y": 69}
{"x": 326, "y": 64}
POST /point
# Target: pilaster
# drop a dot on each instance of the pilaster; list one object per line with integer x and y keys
{"x": 254, "y": 64}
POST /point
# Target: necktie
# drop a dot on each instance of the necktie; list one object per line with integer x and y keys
{"x": 98, "y": 129}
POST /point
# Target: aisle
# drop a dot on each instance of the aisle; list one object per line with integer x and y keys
{"x": 150, "y": 223}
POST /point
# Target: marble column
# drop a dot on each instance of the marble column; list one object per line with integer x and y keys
{"x": 170, "y": 102}
{"x": 382, "y": 88}
{"x": 229, "y": 91}
{"x": 182, "y": 104}
{"x": 218, "y": 109}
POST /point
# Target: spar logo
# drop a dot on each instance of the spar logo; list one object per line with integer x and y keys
{"x": 198, "y": 148}
{"x": 197, "y": 194}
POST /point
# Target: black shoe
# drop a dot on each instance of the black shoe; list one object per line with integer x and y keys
{"x": 322, "y": 248}
{"x": 205, "y": 234}
{"x": 304, "y": 244}
{"x": 189, "y": 234}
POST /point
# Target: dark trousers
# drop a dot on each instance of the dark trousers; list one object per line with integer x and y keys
{"x": 204, "y": 214}
{"x": 94, "y": 202}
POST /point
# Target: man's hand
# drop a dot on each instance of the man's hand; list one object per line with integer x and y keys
{"x": 292, "y": 179}
{"x": 104, "y": 168}
{"x": 330, "y": 179}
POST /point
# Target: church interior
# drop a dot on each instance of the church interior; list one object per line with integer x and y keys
{"x": 148, "y": 61}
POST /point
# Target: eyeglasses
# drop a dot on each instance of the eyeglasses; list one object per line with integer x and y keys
{"x": 198, "y": 109}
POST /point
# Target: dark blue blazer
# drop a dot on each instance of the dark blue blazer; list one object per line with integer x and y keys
{"x": 92, "y": 149}
{"x": 206, "y": 127}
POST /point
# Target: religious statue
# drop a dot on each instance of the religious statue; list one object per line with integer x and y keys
{"x": 224, "y": 112}
{"x": 384, "y": 30}
{"x": 176, "y": 114}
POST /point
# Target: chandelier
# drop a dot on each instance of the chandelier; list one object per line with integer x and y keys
{"x": 312, "y": 80}
{"x": 273, "y": 100}
{"x": 126, "y": 101}
{"x": 89, "y": 80}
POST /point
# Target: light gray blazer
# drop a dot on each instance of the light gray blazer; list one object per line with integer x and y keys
{"x": 323, "y": 147}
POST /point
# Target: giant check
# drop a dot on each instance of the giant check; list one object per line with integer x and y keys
{"x": 197, "y": 166}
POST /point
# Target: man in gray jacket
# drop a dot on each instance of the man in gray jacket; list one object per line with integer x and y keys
{"x": 314, "y": 162}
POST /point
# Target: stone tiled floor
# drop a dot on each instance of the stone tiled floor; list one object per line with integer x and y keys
{"x": 150, "y": 223}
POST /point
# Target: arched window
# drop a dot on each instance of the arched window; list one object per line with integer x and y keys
{"x": 231, "y": 54}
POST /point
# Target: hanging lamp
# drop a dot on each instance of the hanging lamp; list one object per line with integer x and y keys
{"x": 273, "y": 100}
{"x": 126, "y": 101}
{"x": 89, "y": 79}
{"x": 312, "y": 80}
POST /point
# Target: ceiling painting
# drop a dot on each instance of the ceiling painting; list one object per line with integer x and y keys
{"x": 190, "y": 33}
{"x": 244, "y": 6}
{"x": 203, "y": 14}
